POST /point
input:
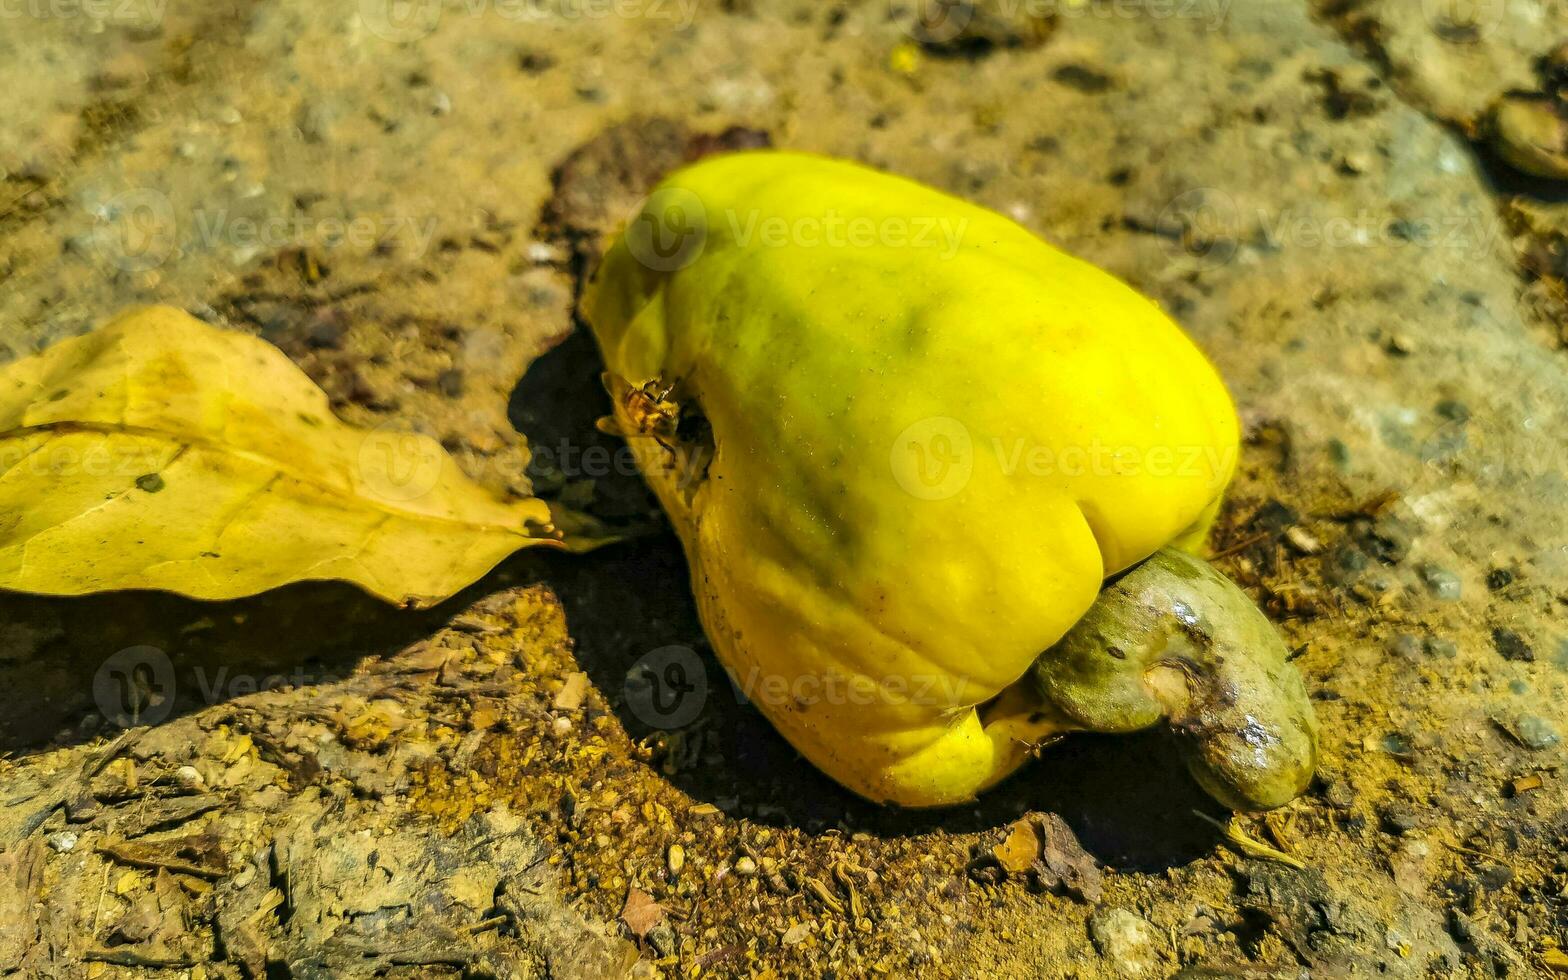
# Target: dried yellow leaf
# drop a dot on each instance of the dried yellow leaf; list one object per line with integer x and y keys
{"x": 160, "y": 452}
{"x": 1018, "y": 852}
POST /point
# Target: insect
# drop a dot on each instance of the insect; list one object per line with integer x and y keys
{"x": 647, "y": 409}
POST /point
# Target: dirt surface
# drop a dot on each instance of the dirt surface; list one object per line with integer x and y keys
{"x": 309, "y": 784}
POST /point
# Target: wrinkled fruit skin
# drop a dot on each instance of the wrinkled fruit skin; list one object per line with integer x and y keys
{"x": 1174, "y": 641}
{"x": 902, "y": 464}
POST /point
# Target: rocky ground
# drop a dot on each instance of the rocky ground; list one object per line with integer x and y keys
{"x": 309, "y": 784}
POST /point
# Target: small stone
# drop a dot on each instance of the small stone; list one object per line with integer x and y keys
{"x": 1499, "y": 578}
{"x": 1441, "y": 648}
{"x": 1339, "y": 794}
{"x": 561, "y": 726}
{"x": 1355, "y": 162}
{"x": 1442, "y": 583}
{"x": 1494, "y": 876}
{"x": 1302, "y": 540}
{"x": 970, "y": 29}
{"x": 1408, "y": 646}
{"x": 572, "y": 693}
{"x": 663, "y": 940}
{"x": 1347, "y": 564}
{"x": 535, "y": 62}
{"x": 326, "y": 333}
{"x": 1083, "y": 79}
{"x": 1385, "y": 538}
{"x": 1536, "y": 732}
{"x": 190, "y": 778}
{"x": 1125, "y": 939}
{"x": 1397, "y": 819}
{"x": 314, "y": 121}
{"x": 1511, "y": 645}
{"x": 63, "y": 841}
{"x": 675, "y": 860}
{"x": 1400, "y": 344}
{"x": 543, "y": 253}
{"x": 745, "y": 867}
{"x": 1398, "y": 745}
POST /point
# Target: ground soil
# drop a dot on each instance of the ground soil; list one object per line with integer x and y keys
{"x": 328, "y": 787}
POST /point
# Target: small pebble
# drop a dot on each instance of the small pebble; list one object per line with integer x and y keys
{"x": 1441, "y": 648}
{"x": 1536, "y": 732}
{"x": 1125, "y": 939}
{"x": 1339, "y": 794}
{"x": 1409, "y": 646}
{"x": 1398, "y": 745}
{"x": 326, "y": 333}
{"x": 1401, "y": 344}
{"x": 662, "y": 938}
{"x": 1302, "y": 540}
{"x": 1494, "y": 876}
{"x": 189, "y": 777}
{"x": 1355, "y": 162}
{"x": 1397, "y": 820}
{"x": 562, "y": 725}
{"x": 676, "y": 859}
{"x": 314, "y": 122}
{"x": 1442, "y": 583}
{"x": 745, "y": 866}
{"x": 63, "y": 841}
{"x": 1499, "y": 578}
{"x": 540, "y": 253}
{"x": 534, "y": 62}
{"x": 1511, "y": 645}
